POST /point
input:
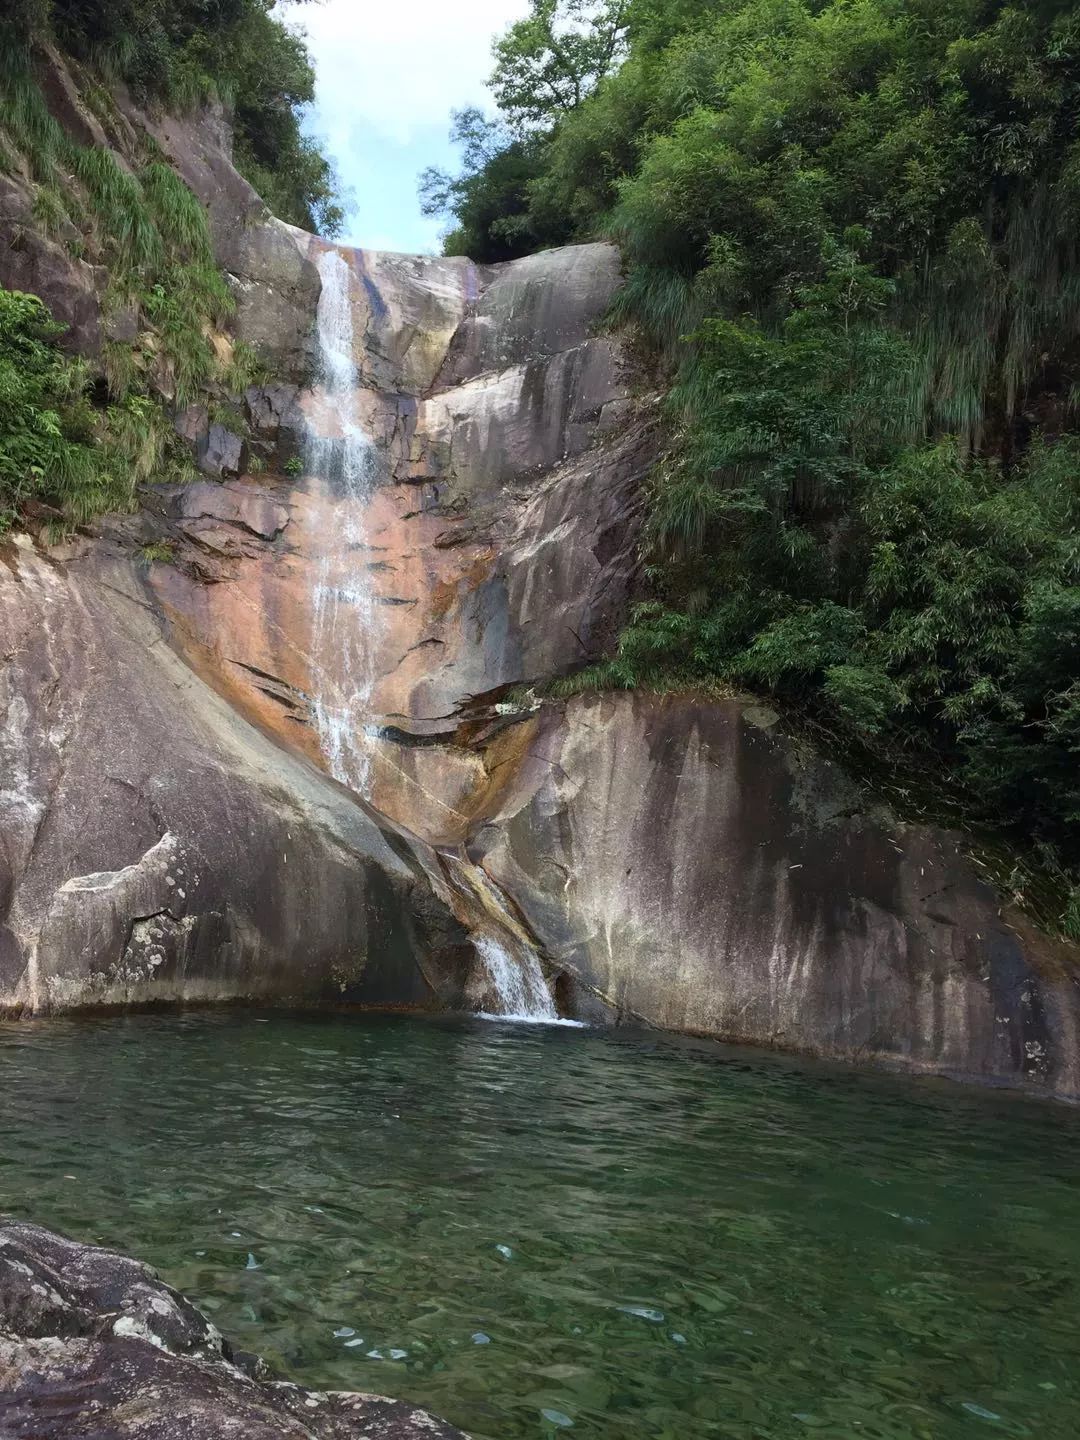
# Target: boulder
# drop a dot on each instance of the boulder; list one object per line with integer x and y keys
{"x": 538, "y": 306}
{"x": 270, "y": 408}
{"x": 94, "y": 1344}
{"x": 242, "y": 503}
{"x": 192, "y": 424}
{"x": 224, "y": 452}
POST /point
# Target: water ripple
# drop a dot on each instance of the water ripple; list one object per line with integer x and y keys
{"x": 535, "y": 1230}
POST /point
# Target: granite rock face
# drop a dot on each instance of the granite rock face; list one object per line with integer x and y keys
{"x": 700, "y": 870}
{"x": 497, "y": 541}
{"x": 91, "y": 1339}
{"x": 677, "y": 862}
{"x": 155, "y": 847}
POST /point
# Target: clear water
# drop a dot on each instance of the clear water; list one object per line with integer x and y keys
{"x": 536, "y": 1230}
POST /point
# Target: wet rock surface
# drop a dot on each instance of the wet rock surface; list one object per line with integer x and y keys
{"x": 93, "y": 1346}
{"x": 500, "y": 534}
{"x": 157, "y": 848}
{"x": 703, "y": 871}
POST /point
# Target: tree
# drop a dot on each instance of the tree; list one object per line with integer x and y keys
{"x": 546, "y": 64}
{"x": 175, "y": 52}
{"x": 489, "y": 199}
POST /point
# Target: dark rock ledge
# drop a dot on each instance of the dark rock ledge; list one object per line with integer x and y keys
{"x": 94, "y": 1347}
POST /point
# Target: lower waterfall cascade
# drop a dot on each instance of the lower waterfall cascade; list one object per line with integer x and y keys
{"x": 517, "y": 982}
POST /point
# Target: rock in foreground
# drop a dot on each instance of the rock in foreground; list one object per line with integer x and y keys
{"x": 94, "y": 1347}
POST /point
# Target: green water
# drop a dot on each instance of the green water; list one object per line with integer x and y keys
{"x": 526, "y": 1228}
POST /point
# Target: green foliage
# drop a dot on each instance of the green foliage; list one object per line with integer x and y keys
{"x": 146, "y": 225}
{"x": 549, "y": 61}
{"x": 157, "y": 552}
{"x": 49, "y": 210}
{"x": 182, "y": 52}
{"x": 140, "y": 438}
{"x": 61, "y": 457}
{"x": 264, "y": 68}
{"x": 50, "y": 452}
{"x": 546, "y": 64}
{"x": 31, "y": 132}
{"x": 120, "y": 364}
{"x": 294, "y": 466}
{"x": 489, "y": 200}
{"x": 851, "y": 231}
{"x": 229, "y": 418}
{"x": 245, "y": 368}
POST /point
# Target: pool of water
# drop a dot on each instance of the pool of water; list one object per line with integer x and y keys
{"x": 539, "y": 1231}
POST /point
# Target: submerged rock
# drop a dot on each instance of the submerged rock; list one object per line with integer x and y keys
{"x": 93, "y": 1344}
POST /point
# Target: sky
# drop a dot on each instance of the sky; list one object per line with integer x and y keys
{"x": 389, "y": 72}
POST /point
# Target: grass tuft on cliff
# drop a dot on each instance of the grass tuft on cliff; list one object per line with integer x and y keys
{"x": 63, "y": 458}
{"x": 51, "y": 453}
{"x": 78, "y": 458}
{"x": 143, "y": 223}
{"x": 180, "y": 53}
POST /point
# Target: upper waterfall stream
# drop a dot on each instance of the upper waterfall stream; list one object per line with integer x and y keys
{"x": 338, "y": 452}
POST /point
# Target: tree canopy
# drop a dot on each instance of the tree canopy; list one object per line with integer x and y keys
{"x": 547, "y": 63}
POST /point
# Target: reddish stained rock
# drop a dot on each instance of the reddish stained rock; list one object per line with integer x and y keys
{"x": 515, "y": 555}
{"x": 155, "y": 848}
{"x": 237, "y": 503}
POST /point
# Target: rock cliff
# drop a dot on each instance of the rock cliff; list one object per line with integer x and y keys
{"x": 317, "y": 700}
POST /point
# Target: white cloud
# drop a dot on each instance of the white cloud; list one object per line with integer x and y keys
{"x": 399, "y": 65}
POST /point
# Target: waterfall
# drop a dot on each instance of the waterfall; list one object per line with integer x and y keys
{"x": 346, "y": 618}
{"x": 345, "y": 613}
{"x": 512, "y": 986}
{"x": 518, "y": 988}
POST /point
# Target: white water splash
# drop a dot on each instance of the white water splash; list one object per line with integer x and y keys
{"x": 517, "y": 981}
{"x": 345, "y": 612}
